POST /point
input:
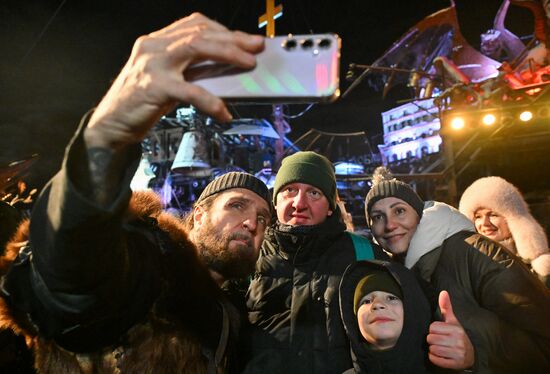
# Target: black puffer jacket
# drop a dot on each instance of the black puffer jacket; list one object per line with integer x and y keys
{"x": 504, "y": 309}
{"x": 293, "y": 300}
{"x": 410, "y": 354}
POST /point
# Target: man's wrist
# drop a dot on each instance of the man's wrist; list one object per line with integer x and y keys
{"x": 106, "y": 166}
{"x": 96, "y": 139}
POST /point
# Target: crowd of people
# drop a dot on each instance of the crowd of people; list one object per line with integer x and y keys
{"x": 101, "y": 280}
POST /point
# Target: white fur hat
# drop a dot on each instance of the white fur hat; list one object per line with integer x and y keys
{"x": 504, "y": 198}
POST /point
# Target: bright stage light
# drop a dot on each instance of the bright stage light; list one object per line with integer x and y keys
{"x": 526, "y": 115}
{"x": 458, "y": 123}
{"x": 489, "y": 119}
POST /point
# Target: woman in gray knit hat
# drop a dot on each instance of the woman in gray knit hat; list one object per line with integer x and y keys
{"x": 498, "y": 319}
{"x": 498, "y": 211}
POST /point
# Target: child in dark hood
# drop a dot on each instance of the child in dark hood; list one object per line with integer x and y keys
{"x": 386, "y": 317}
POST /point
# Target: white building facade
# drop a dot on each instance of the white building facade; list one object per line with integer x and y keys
{"x": 410, "y": 131}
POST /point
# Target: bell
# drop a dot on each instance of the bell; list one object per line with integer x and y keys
{"x": 414, "y": 77}
{"x": 428, "y": 89}
{"x": 414, "y": 80}
{"x": 192, "y": 156}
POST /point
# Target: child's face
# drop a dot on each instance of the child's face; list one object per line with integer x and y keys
{"x": 380, "y": 319}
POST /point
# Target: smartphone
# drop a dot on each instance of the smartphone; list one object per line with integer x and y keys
{"x": 291, "y": 69}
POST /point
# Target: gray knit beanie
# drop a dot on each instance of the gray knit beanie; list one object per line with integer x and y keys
{"x": 384, "y": 185}
{"x": 236, "y": 180}
{"x": 310, "y": 168}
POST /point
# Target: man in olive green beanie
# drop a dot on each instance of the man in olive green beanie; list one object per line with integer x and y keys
{"x": 293, "y": 309}
{"x": 310, "y": 168}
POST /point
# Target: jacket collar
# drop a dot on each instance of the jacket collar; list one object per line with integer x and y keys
{"x": 439, "y": 222}
{"x": 301, "y": 242}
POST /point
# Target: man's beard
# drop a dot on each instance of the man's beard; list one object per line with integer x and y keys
{"x": 236, "y": 262}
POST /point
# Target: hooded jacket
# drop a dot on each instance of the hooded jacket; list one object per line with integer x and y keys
{"x": 529, "y": 239}
{"x": 294, "y": 314}
{"x": 410, "y": 353}
{"x": 501, "y": 305}
{"x": 112, "y": 290}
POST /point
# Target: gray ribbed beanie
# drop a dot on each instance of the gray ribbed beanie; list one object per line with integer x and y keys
{"x": 236, "y": 180}
{"x": 384, "y": 187}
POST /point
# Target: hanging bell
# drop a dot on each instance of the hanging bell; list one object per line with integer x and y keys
{"x": 414, "y": 77}
{"x": 428, "y": 89}
{"x": 192, "y": 156}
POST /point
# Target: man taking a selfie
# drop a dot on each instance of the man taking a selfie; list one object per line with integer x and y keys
{"x": 106, "y": 281}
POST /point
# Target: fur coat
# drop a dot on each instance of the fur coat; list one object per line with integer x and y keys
{"x": 529, "y": 238}
{"x": 160, "y": 343}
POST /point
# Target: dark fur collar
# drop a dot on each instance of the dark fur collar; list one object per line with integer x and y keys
{"x": 173, "y": 345}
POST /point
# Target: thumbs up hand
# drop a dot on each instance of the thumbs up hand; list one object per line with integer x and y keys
{"x": 450, "y": 346}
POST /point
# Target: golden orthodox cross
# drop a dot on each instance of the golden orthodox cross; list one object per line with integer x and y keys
{"x": 267, "y": 19}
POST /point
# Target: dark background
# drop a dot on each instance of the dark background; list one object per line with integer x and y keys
{"x": 57, "y": 58}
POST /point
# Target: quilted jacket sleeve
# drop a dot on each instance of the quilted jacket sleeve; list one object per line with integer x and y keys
{"x": 513, "y": 332}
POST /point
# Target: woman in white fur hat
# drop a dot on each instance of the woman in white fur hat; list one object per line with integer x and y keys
{"x": 498, "y": 211}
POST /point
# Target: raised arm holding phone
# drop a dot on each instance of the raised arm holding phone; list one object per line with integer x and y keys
{"x": 102, "y": 280}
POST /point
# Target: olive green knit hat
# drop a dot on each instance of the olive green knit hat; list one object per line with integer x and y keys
{"x": 376, "y": 280}
{"x": 310, "y": 168}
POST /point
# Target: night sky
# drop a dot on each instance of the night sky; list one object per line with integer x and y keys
{"x": 59, "y": 57}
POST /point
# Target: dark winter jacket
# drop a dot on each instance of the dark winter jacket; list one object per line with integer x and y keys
{"x": 503, "y": 307}
{"x": 293, "y": 300}
{"x": 112, "y": 290}
{"x": 410, "y": 354}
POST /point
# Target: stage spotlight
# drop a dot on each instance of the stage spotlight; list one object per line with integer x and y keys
{"x": 533, "y": 91}
{"x": 458, "y": 123}
{"x": 489, "y": 119}
{"x": 526, "y": 116}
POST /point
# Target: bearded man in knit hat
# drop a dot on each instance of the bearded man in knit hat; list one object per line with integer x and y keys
{"x": 102, "y": 281}
{"x": 293, "y": 310}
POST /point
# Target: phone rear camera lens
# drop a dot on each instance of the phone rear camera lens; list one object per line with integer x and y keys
{"x": 289, "y": 44}
{"x": 324, "y": 43}
{"x": 307, "y": 43}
